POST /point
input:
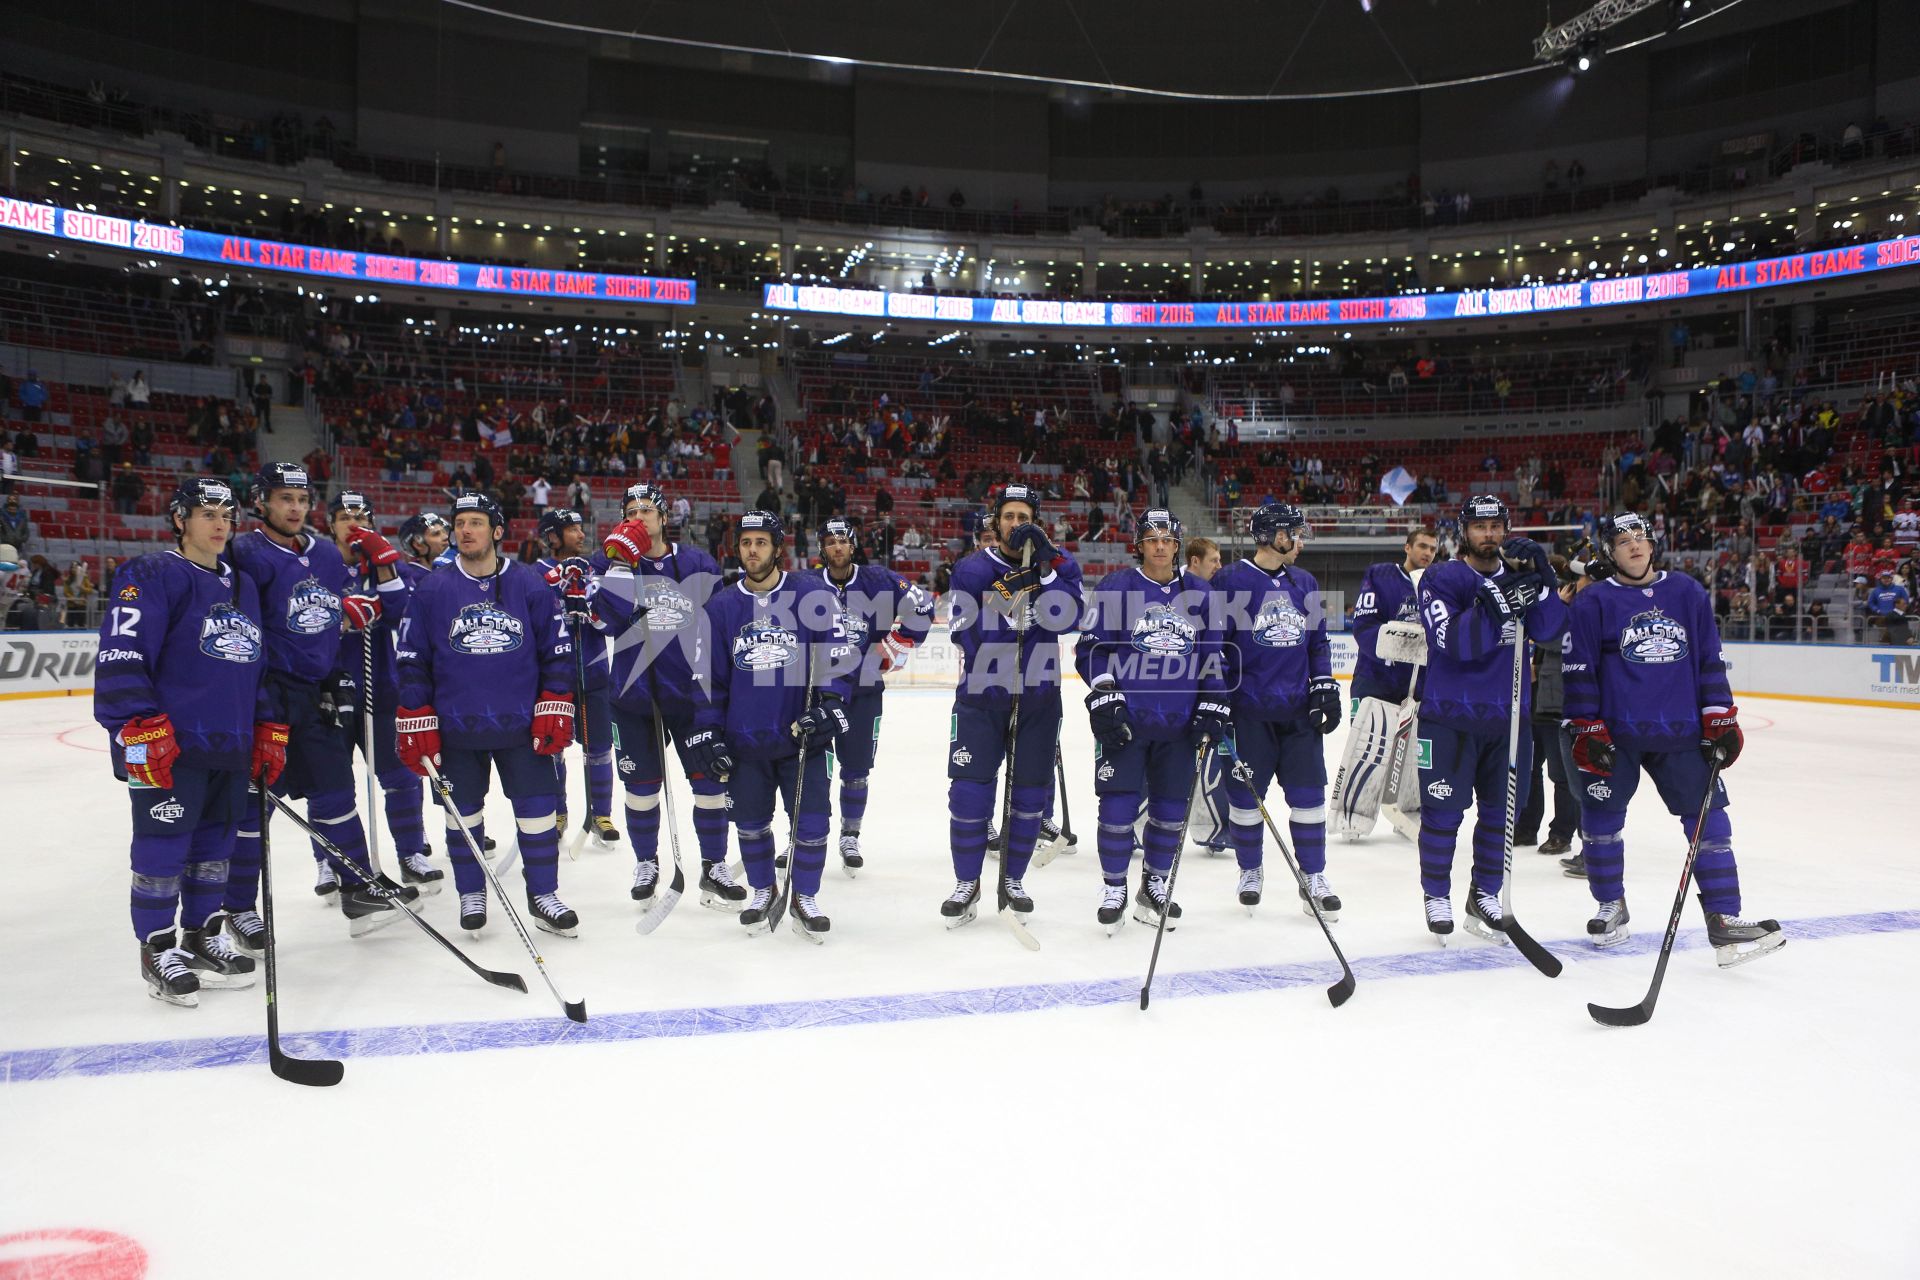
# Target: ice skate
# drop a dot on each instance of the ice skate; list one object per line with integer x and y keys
{"x": 1440, "y": 918}
{"x": 851, "y": 859}
{"x": 168, "y": 970}
{"x": 1736, "y": 941}
{"x": 1151, "y": 903}
{"x": 602, "y": 829}
{"x": 1251, "y": 880}
{"x": 473, "y": 912}
{"x": 1321, "y": 893}
{"x": 646, "y": 876}
{"x": 326, "y": 881}
{"x": 1608, "y": 928}
{"x": 718, "y": 889}
{"x": 366, "y": 910}
{"x": 1018, "y": 899}
{"x": 553, "y": 915}
{"x": 214, "y": 959}
{"x": 962, "y": 905}
{"x": 1484, "y": 917}
{"x": 808, "y": 920}
{"x": 756, "y": 915}
{"x": 1113, "y": 907}
{"x": 423, "y": 875}
{"x": 248, "y": 931}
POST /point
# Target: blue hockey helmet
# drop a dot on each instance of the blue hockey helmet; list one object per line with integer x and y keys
{"x": 1017, "y": 493}
{"x": 413, "y": 531}
{"x": 478, "y": 502}
{"x": 1271, "y": 519}
{"x": 196, "y": 492}
{"x": 1157, "y": 522}
{"x": 1484, "y": 506}
{"x": 648, "y": 492}
{"x": 555, "y": 519}
{"x": 839, "y": 527}
{"x": 757, "y": 521}
{"x": 1609, "y": 529}
{"x": 353, "y": 502}
{"x": 278, "y": 475}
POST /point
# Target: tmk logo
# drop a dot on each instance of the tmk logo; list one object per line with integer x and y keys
{"x": 168, "y": 811}
{"x": 1599, "y": 790}
{"x": 1439, "y": 790}
{"x": 1898, "y": 668}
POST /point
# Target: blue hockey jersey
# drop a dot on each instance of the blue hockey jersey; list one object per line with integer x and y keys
{"x": 871, "y": 601}
{"x": 1646, "y": 660}
{"x": 1386, "y": 595}
{"x": 480, "y": 651}
{"x": 1273, "y": 638}
{"x": 300, "y": 600}
{"x": 186, "y": 642}
{"x": 1159, "y": 642}
{"x": 983, "y": 627}
{"x": 654, "y": 655}
{"x": 1468, "y": 680}
{"x": 767, "y": 648}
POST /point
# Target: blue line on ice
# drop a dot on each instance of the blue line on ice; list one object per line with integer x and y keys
{"x": 22, "y": 1065}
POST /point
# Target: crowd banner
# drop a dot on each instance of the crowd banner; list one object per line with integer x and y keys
{"x": 46, "y": 664}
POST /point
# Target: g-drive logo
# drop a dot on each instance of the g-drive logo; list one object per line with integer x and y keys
{"x": 1896, "y": 673}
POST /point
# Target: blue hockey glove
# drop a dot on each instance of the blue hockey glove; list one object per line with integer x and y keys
{"x": 1112, "y": 722}
{"x": 1210, "y": 715}
{"x": 709, "y": 754}
{"x": 826, "y": 721}
{"x": 1031, "y": 534}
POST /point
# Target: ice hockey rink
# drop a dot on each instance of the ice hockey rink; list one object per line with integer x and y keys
{"x": 907, "y": 1100}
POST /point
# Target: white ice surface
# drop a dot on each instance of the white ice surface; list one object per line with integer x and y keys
{"x": 1446, "y": 1121}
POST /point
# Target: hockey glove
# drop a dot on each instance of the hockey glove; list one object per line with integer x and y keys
{"x": 1720, "y": 736}
{"x": 1592, "y": 746}
{"x": 1112, "y": 722}
{"x": 708, "y": 753}
{"x": 570, "y": 578}
{"x": 824, "y": 722}
{"x": 361, "y": 611}
{"x": 552, "y": 723}
{"x": 150, "y": 751}
{"x": 1323, "y": 704}
{"x": 628, "y": 543}
{"x": 377, "y": 550}
{"x": 1493, "y": 598}
{"x": 1210, "y": 714}
{"x": 339, "y": 696}
{"x": 1524, "y": 555}
{"x": 1031, "y": 534}
{"x": 1015, "y": 583}
{"x": 894, "y": 648}
{"x": 269, "y": 751}
{"x": 417, "y": 738}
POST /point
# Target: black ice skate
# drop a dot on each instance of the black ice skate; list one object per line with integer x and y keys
{"x": 1113, "y": 907}
{"x": 168, "y": 970}
{"x": 1440, "y": 918}
{"x": 1251, "y": 881}
{"x": 1018, "y": 899}
{"x": 553, "y": 915}
{"x": 1608, "y": 928}
{"x": 758, "y": 909}
{"x": 1151, "y": 902}
{"x": 473, "y": 912}
{"x": 214, "y": 959}
{"x": 247, "y": 929}
{"x": 851, "y": 859}
{"x": 1484, "y": 917}
{"x": 1736, "y": 941}
{"x": 1323, "y": 894}
{"x": 717, "y": 887}
{"x": 366, "y": 910}
{"x": 326, "y": 882}
{"x": 808, "y": 920}
{"x": 603, "y": 830}
{"x": 962, "y": 905}
{"x": 416, "y": 871}
{"x": 646, "y": 877}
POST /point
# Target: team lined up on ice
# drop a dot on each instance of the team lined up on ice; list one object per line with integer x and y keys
{"x": 220, "y": 665}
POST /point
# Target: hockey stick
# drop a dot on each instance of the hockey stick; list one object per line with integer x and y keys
{"x": 656, "y": 915}
{"x": 366, "y": 742}
{"x": 1066, "y": 811}
{"x": 575, "y": 1009}
{"x": 496, "y": 977}
{"x": 318, "y": 1072}
{"x": 1008, "y": 916}
{"x": 586, "y": 748}
{"x": 1635, "y": 1015}
{"x": 1341, "y": 991}
{"x": 1173, "y": 872}
{"x": 783, "y": 897}
{"x": 1541, "y": 958}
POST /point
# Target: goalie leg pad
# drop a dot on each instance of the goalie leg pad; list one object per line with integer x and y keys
{"x": 1358, "y": 784}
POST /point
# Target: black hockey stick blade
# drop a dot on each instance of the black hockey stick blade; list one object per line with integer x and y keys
{"x": 657, "y": 914}
{"x": 1538, "y": 956}
{"x": 1342, "y": 991}
{"x": 575, "y": 1009}
{"x": 1633, "y": 1016}
{"x": 316, "y": 1072}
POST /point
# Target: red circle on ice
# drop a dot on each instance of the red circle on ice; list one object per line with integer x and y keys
{"x": 70, "y": 1253}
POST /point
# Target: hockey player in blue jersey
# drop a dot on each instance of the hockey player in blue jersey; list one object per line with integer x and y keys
{"x": 423, "y": 537}
{"x": 1646, "y": 688}
{"x": 1279, "y": 672}
{"x": 1150, "y": 656}
{"x": 1208, "y": 824}
{"x": 772, "y": 702}
{"x": 177, "y": 687}
{"x": 378, "y": 606}
{"x": 303, "y": 584}
{"x": 1470, "y": 608}
{"x": 987, "y": 589}
{"x": 884, "y": 617}
{"x": 1380, "y": 687}
{"x": 651, "y": 602}
{"x": 573, "y": 575}
{"x": 486, "y": 683}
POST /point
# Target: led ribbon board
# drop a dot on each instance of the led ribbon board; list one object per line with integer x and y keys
{"x": 234, "y": 253}
{"x": 1467, "y": 304}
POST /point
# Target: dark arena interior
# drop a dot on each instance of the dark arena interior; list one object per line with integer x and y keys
{"x": 1414, "y": 464}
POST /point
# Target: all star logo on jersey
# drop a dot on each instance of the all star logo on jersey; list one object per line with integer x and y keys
{"x": 168, "y": 811}
{"x": 1161, "y": 629}
{"x": 1653, "y": 637}
{"x": 1599, "y": 790}
{"x": 1280, "y": 624}
{"x": 855, "y": 627}
{"x": 485, "y": 628}
{"x": 312, "y": 609}
{"x": 669, "y": 607}
{"x": 1439, "y": 790}
{"x": 229, "y": 634}
{"x": 765, "y": 645}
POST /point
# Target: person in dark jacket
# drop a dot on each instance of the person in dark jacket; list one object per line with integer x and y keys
{"x": 1551, "y": 748}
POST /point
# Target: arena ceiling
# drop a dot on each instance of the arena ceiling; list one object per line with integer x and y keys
{"x": 1228, "y": 48}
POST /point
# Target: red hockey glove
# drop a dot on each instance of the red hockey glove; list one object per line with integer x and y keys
{"x": 269, "y": 751}
{"x": 417, "y": 734}
{"x": 552, "y": 723}
{"x": 895, "y": 646}
{"x": 1592, "y": 747}
{"x": 628, "y": 543}
{"x": 377, "y": 550}
{"x": 150, "y": 750}
{"x": 361, "y": 611}
{"x": 1720, "y": 736}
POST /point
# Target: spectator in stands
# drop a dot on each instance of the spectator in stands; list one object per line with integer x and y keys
{"x": 128, "y": 488}
{"x": 77, "y": 590}
{"x": 912, "y": 540}
{"x": 139, "y": 394}
{"x": 33, "y": 397}
{"x": 683, "y": 511}
{"x": 9, "y": 465}
{"x": 15, "y": 528}
{"x": 769, "y": 500}
{"x": 537, "y": 494}
{"x": 580, "y": 498}
{"x": 1888, "y": 605}
{"x": 117, "y": 391}
{"x": 263, "y": 402}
